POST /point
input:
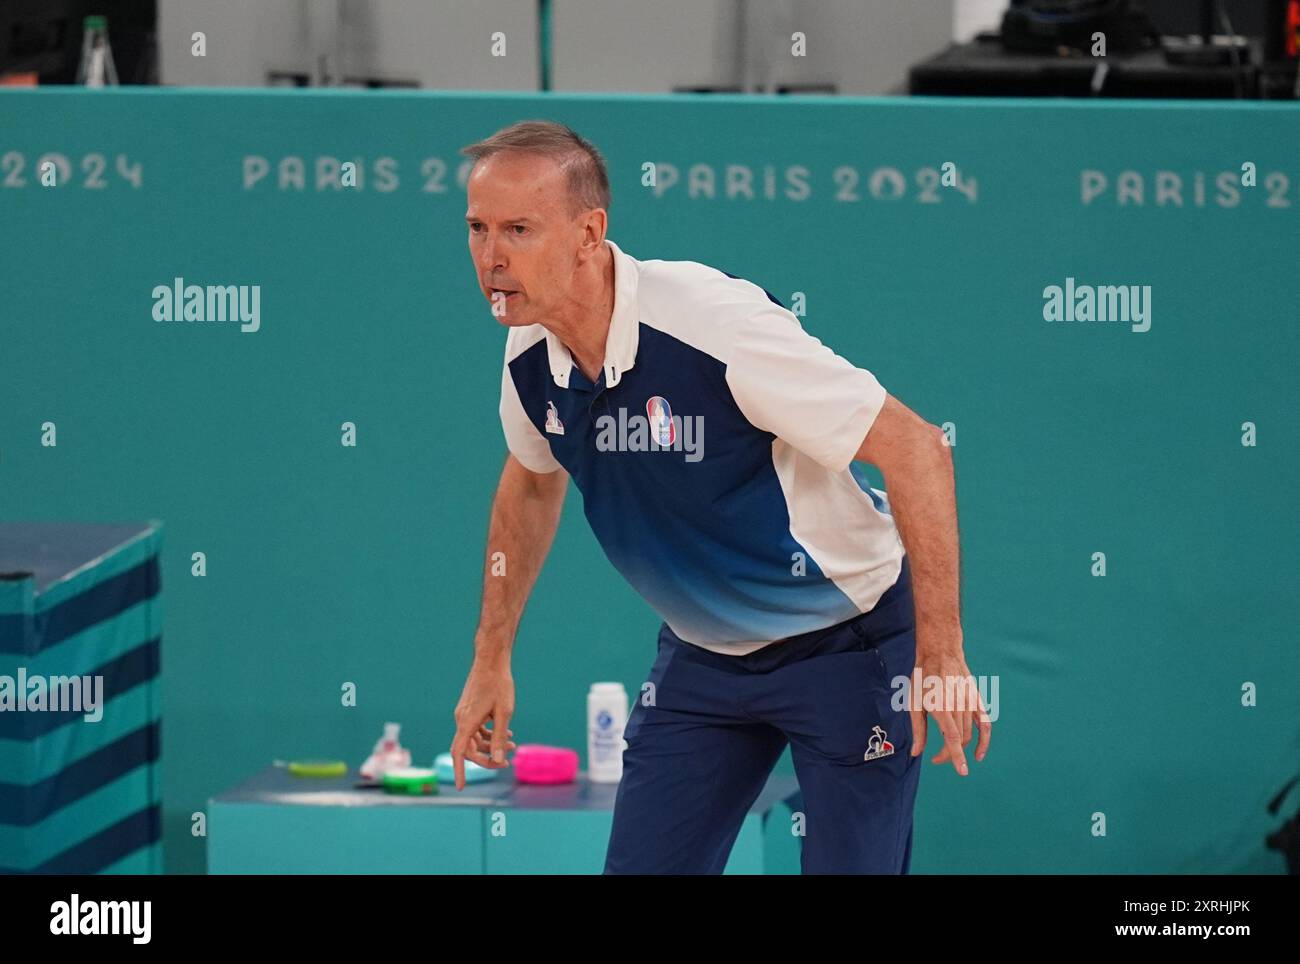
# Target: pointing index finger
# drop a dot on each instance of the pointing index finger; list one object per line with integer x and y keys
{"x": 952, "y": 741}
{"x": 458, "y": 757}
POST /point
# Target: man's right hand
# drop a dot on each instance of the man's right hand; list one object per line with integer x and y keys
{"x": 525, "y": 512}
{"x": 489, "y": 695}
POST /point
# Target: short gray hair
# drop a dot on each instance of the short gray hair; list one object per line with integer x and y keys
{"x": 583, "y": 167}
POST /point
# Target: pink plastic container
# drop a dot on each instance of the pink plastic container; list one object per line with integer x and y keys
{"x": 538, "y": 763}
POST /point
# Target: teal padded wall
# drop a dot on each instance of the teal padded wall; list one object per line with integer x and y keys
{"x": 80, "y": 715}
{"x": 326, "y": 565}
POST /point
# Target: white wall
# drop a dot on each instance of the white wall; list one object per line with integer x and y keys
{"x": 858, "y": 46}
{"x": 444, "y": 44}
{"x": 969, "y": 17}
{"x": 652, "y": 46}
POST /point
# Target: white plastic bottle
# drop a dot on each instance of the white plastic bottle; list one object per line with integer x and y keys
{"x": 606, "y": 717}
{"x": 96, "y": 68}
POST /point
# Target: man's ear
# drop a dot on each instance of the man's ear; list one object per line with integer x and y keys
{"x": 595, "y": 222}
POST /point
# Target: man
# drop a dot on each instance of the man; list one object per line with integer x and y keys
{"x": 792, "y": 592}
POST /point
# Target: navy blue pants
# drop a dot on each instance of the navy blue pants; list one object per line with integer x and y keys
{"x": 697, "y": 758}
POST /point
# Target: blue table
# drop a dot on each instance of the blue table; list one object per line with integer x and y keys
{"x": 276, "y": 823}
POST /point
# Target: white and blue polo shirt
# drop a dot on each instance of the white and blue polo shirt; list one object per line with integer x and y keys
{"x": 714, "y": 454}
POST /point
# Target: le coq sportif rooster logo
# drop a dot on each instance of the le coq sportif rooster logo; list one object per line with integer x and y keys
{"x": 553, "y": 423}
{"x": 877, "y": 745}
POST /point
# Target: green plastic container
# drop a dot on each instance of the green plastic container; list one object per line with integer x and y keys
{"x": 415, "y": 781}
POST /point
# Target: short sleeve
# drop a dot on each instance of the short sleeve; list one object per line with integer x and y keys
{"x": 788, "y": 383}
{"x": 522, "y": 438}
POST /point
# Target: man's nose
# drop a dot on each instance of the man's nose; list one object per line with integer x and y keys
{"x": 489, "y": 259}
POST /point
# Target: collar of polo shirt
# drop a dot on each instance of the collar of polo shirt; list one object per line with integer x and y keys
{"x": 620, "y": 343}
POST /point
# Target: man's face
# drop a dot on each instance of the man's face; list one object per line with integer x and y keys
{"x": 521, "y": 237}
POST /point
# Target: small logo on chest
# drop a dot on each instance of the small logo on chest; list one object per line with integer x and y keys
{"x": 660, "y": 415}
{"x": 553, "y": 423}
{"x": 659, "y": 430}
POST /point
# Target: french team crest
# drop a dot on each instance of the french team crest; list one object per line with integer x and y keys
{"x": 660, "y": 415}
{"x": 878, "y": 746}
{"x": 553, "y": 423}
